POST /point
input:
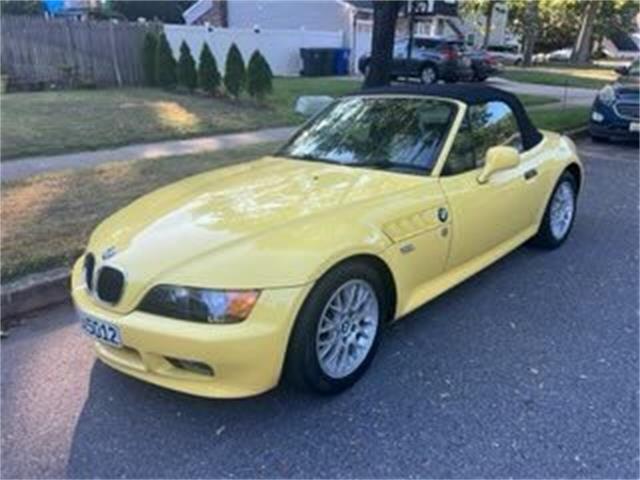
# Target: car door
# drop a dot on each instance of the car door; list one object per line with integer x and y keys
{"x": 485, "y": 216}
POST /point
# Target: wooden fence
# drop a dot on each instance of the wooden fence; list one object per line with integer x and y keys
{"x": 37, "y": 52}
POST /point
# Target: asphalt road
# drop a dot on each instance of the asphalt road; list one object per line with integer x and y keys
{"x": 529, "y": 369}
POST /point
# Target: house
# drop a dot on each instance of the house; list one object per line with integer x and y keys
{"x": 353, "y": 18}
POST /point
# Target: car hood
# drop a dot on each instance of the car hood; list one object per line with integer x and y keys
{"x": 628, "y": 87}
{"x": 210, "y": 213}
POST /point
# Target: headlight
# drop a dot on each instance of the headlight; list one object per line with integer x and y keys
{"x": 199, "y": 304}
{"x": 607, "y": 95}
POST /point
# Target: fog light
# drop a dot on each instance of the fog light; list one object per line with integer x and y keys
{"x": 191, "y": 366}
{"x": 597, "y": 117}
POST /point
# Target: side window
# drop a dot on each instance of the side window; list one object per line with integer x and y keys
{"x": 461, "y": 157}
{"x": 493, "y": 124}
{"x": 400, "y": 49}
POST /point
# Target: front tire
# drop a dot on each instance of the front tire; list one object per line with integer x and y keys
{"x": 428, "y": 75}
{"x": 337, "y": 331}
{"x": 559, "y": 215}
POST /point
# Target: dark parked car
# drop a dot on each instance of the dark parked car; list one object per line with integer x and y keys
{"x": 483, "y": 63}
{"x": 431, "y": 59}
{"x": 615, "y": 114}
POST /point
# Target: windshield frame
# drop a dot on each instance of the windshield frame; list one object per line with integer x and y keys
{"x": 457, "y": 108}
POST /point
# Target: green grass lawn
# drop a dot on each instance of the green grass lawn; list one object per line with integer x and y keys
{"x": 560, "y": 119}
{"x": 46, "y": 220}
{"x": 42, "y": 123}
{"x": 74, "y": 120}
{"x": 571, "y": 77}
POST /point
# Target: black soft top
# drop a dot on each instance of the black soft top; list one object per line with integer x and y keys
{"x": 471, "y": 94}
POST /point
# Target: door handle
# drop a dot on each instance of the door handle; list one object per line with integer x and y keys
{"x": 529, "y": 174}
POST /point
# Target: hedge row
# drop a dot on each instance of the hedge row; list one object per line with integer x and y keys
{"x": 161, "y": 69}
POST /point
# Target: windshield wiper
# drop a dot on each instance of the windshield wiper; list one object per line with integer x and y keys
{"x": 385, "y": 164}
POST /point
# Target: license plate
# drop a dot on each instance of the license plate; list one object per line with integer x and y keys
{"x": 102, "y": 331}
{"x": 634, "y": 127}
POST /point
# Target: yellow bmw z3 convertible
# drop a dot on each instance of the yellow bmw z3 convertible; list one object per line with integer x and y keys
{"x": 293, "y": 264}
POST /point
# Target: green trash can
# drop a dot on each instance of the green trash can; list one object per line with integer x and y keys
{"x": 317, "y": 62}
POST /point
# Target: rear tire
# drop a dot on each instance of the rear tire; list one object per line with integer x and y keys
{"x": 324, "y": 336}
{"x": 559, "y": 215}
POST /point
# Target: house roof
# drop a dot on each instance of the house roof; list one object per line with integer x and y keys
{"x": 471, "y": 94}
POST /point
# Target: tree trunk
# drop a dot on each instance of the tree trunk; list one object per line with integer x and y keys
{"x": 531, "y": 22}
{"x": 582, "y": 51}
{"x": 385, "y": 14}
{"x": 487, "y": 23}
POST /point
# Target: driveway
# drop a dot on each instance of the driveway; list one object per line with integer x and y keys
{"x": 529, "y": 369}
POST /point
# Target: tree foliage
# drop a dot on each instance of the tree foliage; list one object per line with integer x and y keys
{"x": 167, "y": 11}
{"x": 234, "y": 72}
{"x": 560, "y": 20}
{"x": 259, "y": 77}
{"x": 149, "y": 47}
{"x": 208, "y": 74}
{"x": 21, "y": 7}
{"x": 165, "y": 64}
{"x": 187, "y": 75}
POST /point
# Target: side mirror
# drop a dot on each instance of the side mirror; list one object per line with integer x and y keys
{"x": 309, "y": 105}
{"x": 498, "y": 158}
{"x": 621, "y": 70}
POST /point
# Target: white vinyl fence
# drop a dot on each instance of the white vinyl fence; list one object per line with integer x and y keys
{"x": 281, "y": 48}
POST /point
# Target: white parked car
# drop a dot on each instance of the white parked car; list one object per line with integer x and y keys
{"x": 562, "y": 55}
{"x": 506, "y": 54}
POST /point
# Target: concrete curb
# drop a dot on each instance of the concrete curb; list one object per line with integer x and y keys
{"x": 41, "y": 290}
{"x": 33, "y": 292}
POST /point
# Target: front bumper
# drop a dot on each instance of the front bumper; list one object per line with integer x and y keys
{"x": 246, "y": 358}
{"x": 610, "y": 124}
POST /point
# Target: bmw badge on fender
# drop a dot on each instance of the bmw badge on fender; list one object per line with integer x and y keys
{"x": 291, "y": 266}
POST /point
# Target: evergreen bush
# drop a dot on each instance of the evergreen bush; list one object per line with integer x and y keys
{"x": 259, "y": 76}
{"x": 208, "y": 74}
{"x": 165, "y": 64}
{"x": 187, "y": 75}
{"x": 149, "y": 58}
{"x": 234, "y": 72}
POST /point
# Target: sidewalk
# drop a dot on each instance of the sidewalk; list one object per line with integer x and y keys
{"x": 25, "y": 167}
{"x": 569, "y": 95}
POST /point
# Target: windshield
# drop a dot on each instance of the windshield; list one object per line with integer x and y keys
{"x": 380, "y": 132}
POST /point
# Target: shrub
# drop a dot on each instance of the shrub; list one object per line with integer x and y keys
{"x": 208, "y": 74}
{"x": 259, "y": 76}
{"x": 234, "y": 72}
{"x": 165, "y": 64}
{"x": 187, "y": 76}
{"x": 149, "y": 58}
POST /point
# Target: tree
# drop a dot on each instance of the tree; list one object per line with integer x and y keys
{"x": 259, "y": 76}
{"x": 165, "y": 64}
{"x": 21, "y": 7}
{"x": 167, "y": 11}
{"x": 208, "y": 74}
{"x": 582, "y": 50}
{"x": 187, "y": 75}
{"x": 530, "y": 33}
{"x": 488, "y": 20}
{"x": 149, "y": 47}
{"x": 234, "y": 72}
{"x": 385, "y": 14}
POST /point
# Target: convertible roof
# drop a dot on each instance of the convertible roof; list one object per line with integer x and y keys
{"x": 471, "y": 94}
